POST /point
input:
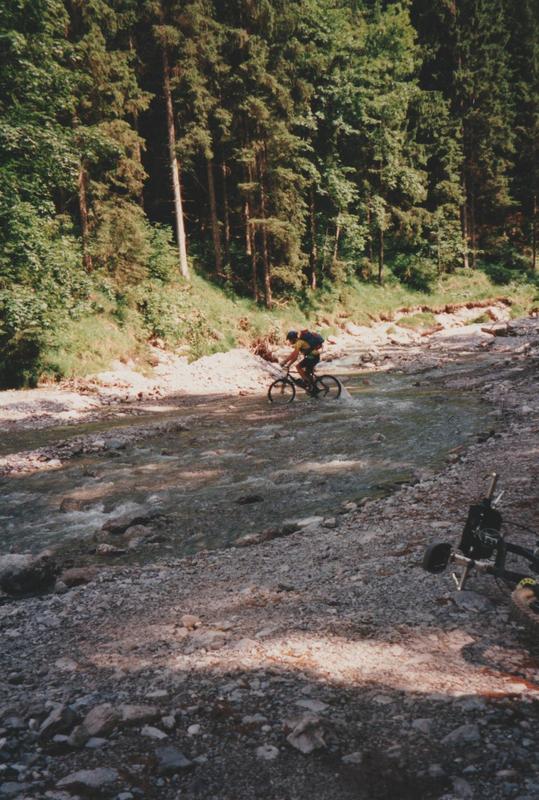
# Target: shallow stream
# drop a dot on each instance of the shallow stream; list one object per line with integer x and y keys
{"x": 245, "y": 466}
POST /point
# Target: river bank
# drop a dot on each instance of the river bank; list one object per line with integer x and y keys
{"x": 324, "y": 664}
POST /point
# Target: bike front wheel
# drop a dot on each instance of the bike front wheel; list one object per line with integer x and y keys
{"x": 281, "y": 392}
{"x": 328, "y": 386}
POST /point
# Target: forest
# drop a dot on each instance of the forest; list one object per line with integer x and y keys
{"x": 277, "y": 148}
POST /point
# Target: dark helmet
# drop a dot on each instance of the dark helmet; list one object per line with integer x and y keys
{"x": 292, "y": 336}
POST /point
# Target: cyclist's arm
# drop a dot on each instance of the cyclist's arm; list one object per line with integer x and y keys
{"x": 291, "y": 358}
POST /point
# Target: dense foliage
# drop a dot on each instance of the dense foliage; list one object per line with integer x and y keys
{"x": 287, "y": 144}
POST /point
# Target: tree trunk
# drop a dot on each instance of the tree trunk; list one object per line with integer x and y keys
{"x": 336, "y": 243}
{"x": 313, "y": 256}
{"x": 268, "y": 300}
{"x": 464, "y": 223}
{"x": 174, "y": 169}
{"x": 215, "y": 232}
{"x": 472, "y": 233}
{"x": 381, "y": 256}
{"x": 83, "y": 210}
{"x": 370, "y": 247}
{"x": 250, "y": 241}
{"x": 226, "y": 212}
{"x": 534, "y": 232}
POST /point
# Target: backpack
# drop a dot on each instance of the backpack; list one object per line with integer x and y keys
{"x": 314, "y": 340}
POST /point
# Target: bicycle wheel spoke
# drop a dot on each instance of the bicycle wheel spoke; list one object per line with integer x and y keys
{"x": 328, "y": 387}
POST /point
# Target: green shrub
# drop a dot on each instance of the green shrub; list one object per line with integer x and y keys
{"x": 417, "y": 272}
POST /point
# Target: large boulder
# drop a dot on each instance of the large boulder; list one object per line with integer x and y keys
{"x": 24, "y": 573}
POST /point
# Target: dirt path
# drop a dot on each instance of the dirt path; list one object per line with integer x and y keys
{"x": 322, "y": 665}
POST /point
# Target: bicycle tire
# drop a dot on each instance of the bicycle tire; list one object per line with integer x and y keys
{"x": 525, "y": 610}
{"x": 281, "y": 392}
{"x": 328, "y": 387}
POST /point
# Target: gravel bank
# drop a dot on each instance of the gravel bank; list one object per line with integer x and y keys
{"x": 322, "y": 665}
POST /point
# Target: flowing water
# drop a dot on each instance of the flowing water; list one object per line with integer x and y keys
{"x": 245, "y": 466}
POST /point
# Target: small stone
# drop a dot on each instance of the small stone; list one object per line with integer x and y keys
{"x": 463, "y": 735}
{"x": 267, "y": 752}
{"x": 101, "y": 719}
{"x": 153, "y": 733}
{"x": 60, "y": 720}
{"x": 190, "y": 622}
{"x": 462, "y": 789}
{"x": 207, "y": 640}
{"x": 353, "y": 758}
{"x": 171, "y": 760}
{"x": 88, "y": 779}
{"x": 330, "y": 522}
{"x": 471, "y": 601}
{"x": 306, "y": 734}
{"x": 423, "y": 725}
{"x": 137, "y": 714}
{"x": 105, "y": 549}
{"x": 312, "y": 705}
{"x": 95, "y": 742}
{"x": 193, "y": 730}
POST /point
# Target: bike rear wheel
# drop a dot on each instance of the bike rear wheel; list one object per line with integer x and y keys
{"x": 328, "y": 386}
{"x": 525, "y": 610}
{"x": 281, "y": 392}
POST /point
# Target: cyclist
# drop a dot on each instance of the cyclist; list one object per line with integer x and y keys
{"x": 309, "y": 345}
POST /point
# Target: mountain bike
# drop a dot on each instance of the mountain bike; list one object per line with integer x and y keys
{"x": 283, "y": 390}
{"x": 484, "y": 548}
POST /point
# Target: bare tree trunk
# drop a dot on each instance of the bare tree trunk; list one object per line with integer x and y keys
{"x": 464, "y": 223}
{"x": 370, "y": 250}
{"x": 336, "y": 243}
{"x": 268, "y": 300}
{"x": 313, "y": 256}
{"x": 174, "y": 168}
{"x": 381, "y": 256}
{"x": 216, "y": 233}
{"x": 250, "y": 240}
{"x": 138, "y": 147}
{"x": 226, "y": 212}
{"x": 534, "y": 232}
{"x": 473, "y": 239}
{"x": 84, "y": 223}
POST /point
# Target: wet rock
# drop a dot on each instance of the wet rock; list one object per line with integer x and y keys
{"x": 120, "y": 524}
{"x": 23, "y": 573}
{"x": 77, "y": 576}
{"x": 330, "y": 522}
{"x": 105, "y": 549}
{"x": 72, "y": 504}
{"x": 247, "y": 499}
{"x": 171, "y": 760}
{"x": 89, "y": 779}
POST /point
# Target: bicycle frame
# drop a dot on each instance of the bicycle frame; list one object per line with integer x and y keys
{"x": 481, "y": 540}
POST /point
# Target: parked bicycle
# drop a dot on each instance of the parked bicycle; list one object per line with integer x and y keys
{"x": 283, "y": 390}
{"x": 483, "y": 548}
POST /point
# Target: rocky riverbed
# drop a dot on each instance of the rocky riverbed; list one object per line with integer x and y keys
{"x": 323, "y": 664}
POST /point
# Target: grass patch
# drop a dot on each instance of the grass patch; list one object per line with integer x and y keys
{"x": 90, "y": 345}
{"x": 420, "y": 321}
{"x": 199, "y": 318}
